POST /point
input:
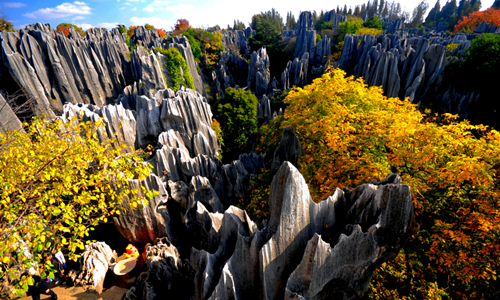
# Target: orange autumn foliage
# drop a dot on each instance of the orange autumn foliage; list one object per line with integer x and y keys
{"x": 181, "y": 26}
{"x": 352, "y": 134}
{"x": 470, "y": 22}
{"x": 161, "y": 33}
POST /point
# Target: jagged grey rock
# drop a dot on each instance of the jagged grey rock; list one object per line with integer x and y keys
{"x": 146, "y": 67}
{"x": 259, "y": 76}
{"x": 146, "y": 224}
{"x": 306, "y": 37}
{"x": 95, "y": 261}
{"x": 486, "y": 28}
{"x": 167, "y": 275}
{"x": 335, "y": 18}
{"x": 8, "y": 119}
{"x": 289, "y": 149}
{"x": 264, "y": 109}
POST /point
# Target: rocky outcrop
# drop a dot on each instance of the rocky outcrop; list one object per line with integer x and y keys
{"x": 95, "y": 262}
{"x": 264, "y": 110}
{"x": 51, "y": 69}
{"x": 403, "y": 67}
{"x": 335, "y": 18}
{"x": 486, "y": 28}
{"x": 237, "y": 40}
{"x": 295, "y": 73}
{"x": 258, "y": 73}
{"x": 146, "y": 38}
{"x": 231, "y": 72}
{"x": 306, "y": 251}
{"x": 168, "y": 275}
{"x": 306, "y": 36}
{"x": 289, "y": 149}
{"x": 146, "y": 67}
{"x": 8, "y": 119}
{"x": 147, "y": 223}
{"x": 393, "y": 26}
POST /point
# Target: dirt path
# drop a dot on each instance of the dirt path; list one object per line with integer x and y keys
{"x": 78, "y": 293}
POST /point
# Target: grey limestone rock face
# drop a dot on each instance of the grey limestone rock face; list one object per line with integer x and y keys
{"x": 24, "y": 75}
{"x": 237, "y": 40}
{"x": 295, "y": 73}
{"x": 307, "y": 250}
{"x": 63, "y": 69}
{"x": 393, "y": 26}
{"x": 167, "y": 275}
{"x": 145, "y": 38}
{"x": 289, "y": 149}
{"x": 306, "y": 36}
{"x": 264, "y": 109}
{"x": 486, "y": 28}
{"x": 95, "y": 261}
{"x": 146, "y": 67}
{"x": 335, "y": 18}
{"x": 146, "y": 224}
{"x": 407, "y": 67}
{"x": 8, "y": 119}
{"x": 233, "y": 69}
{"x": 259, "y": 76}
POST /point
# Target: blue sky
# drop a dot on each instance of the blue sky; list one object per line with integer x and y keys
{"x": 163, "y": 13}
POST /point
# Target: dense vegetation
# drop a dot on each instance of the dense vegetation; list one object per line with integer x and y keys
{"x": 351, "y": 134}
{"x": 177, "y": 68}
{"x": 58, "y": 181}
{"x": 477, "y": 71}
{"x": 237, "y": 114}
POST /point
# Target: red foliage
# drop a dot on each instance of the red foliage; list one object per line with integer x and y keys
{"x": 468, "y": 23}
{"x": 161, "y": 33}
{"x": 63, "y": 29}
{"x": 181, "y": 26}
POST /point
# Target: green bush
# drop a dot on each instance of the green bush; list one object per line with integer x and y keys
{"x": 237, "y": 114}
{"x": 374, "y": 22}
{"x": 175, "y": 63}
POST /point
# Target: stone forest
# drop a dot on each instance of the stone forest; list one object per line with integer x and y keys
{"x": 351, "y": 153}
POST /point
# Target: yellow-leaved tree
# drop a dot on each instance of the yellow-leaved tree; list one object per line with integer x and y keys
{"x": 352, "y": 134}
{"x": 57, "y": 182}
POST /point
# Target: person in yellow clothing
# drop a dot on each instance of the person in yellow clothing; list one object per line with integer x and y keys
{"x": 132, "y": 252}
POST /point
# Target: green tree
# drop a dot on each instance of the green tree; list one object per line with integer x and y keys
{"x": 267, "y": 36}
{"x": 374, "y": 22}
{"x": 6, "y": 25}
{"x": 478, "y": 71}
{"x": 418, "y": 15}
{"x": 149, "y": 27}
{"x": 237, "y": 114}
{"x": 432, "y": 17}
{"x": 57, "y": 182}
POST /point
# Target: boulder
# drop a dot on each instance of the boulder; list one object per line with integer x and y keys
{"x": 95, "y": 262}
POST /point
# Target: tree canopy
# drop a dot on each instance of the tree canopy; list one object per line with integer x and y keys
{"x": 57, "y": 182}
{"x": 237, "y": 114}
{"x": 352, "y": 134}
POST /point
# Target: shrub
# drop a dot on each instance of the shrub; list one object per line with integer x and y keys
{"x": 366, "y": 30}
{"x": 64, "y": 28}
{"x": 178, "y": 68}
{"x": 470, "y": 22}
{"x": 58, "y": 181}
{"x": 374, "y": 22}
